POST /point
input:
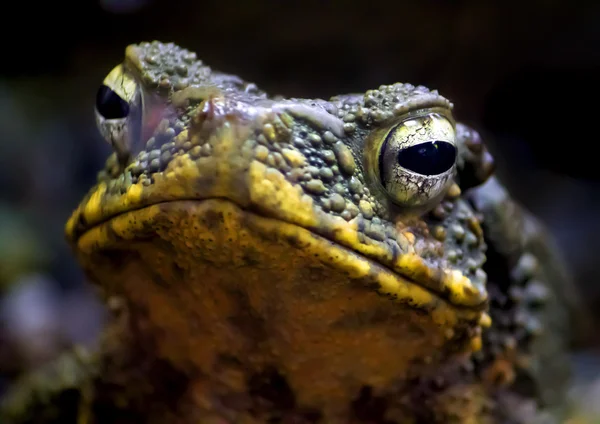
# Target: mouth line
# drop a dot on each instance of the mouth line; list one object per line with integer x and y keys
{"x": 78, "y": 234}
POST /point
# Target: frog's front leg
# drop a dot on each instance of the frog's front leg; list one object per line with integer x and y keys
{"x": 58, "y": 392}
{"x": 66, "y": 389}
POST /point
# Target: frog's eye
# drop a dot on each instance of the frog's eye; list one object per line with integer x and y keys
{"x": 110, "y": 105}
{"x": 118, "y": 111}
{"x": 417, "y": 159}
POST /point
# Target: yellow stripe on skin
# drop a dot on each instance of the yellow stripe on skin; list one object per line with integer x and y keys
{"x": 461, "y": 288}
{"x": 270, "y": 191}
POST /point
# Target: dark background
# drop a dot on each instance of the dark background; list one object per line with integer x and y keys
{"x": 525, "y": 73}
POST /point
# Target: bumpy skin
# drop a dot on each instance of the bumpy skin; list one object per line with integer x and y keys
{"x": 268, "y": 273}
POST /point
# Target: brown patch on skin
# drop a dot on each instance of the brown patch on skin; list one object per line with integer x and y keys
{"x": 246, "y": 320}
{"x": 449, "y": 396}
{"x": 372, "y": 318}
{"x": 271, "y": 387}
{"x": 369, "y": 408}
{"x": 500, "y": 373}
{"x": 463, "y": 404}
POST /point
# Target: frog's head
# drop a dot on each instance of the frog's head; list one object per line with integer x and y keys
{"x": 325, "y": 229}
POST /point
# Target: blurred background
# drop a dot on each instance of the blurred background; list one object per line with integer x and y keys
{"x": 525, "y": 73}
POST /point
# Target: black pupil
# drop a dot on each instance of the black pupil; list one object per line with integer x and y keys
{"x": 110, "y": 105}
{"x": 430, "y": 158}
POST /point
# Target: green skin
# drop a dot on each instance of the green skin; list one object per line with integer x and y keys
{"x": 452, "y": 219}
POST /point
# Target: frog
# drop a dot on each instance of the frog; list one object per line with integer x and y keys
{"x": 288, "y": 260}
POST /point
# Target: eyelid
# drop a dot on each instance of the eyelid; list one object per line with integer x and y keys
{"x": 420, "y": 129}
{"x": 122, "y": 83}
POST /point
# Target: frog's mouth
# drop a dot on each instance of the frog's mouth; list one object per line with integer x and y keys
{"x": 219, "y": 231}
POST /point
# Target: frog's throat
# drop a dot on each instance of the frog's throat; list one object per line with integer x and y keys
{"x": 208, "y": 279}
{"x": 233, "y": 172}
